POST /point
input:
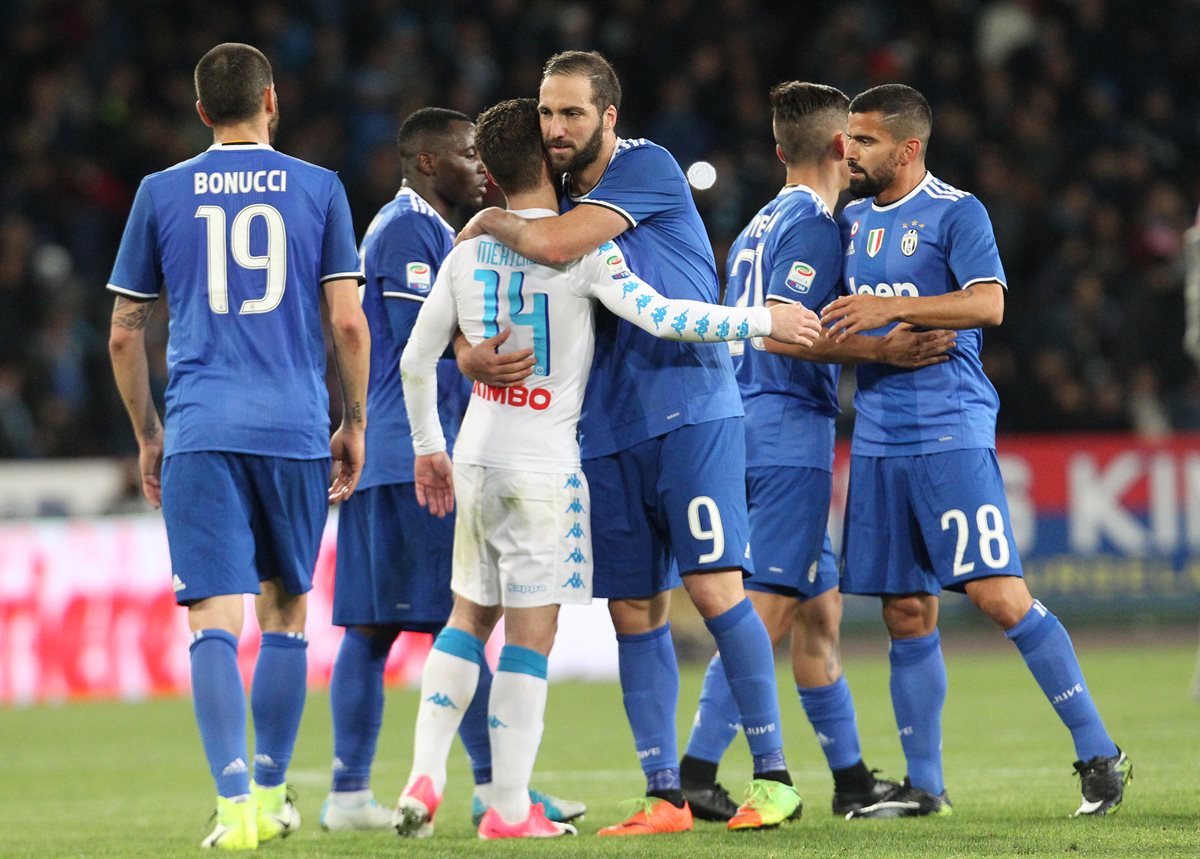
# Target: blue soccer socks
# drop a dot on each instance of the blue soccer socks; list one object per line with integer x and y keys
{"x": 1047, "y": 650}
{"x": 830, "y": 710}
{"x": 277, "y": 701}
{"x": 717, "y": 718}
{"x": 474, "y": 728}
{"x": 220, "y": 703}
{"x": 918, "y": 684}
{"x": 749, "y": 662}
{"x": 356, "y": 699}
{"x": 650, "y": 688}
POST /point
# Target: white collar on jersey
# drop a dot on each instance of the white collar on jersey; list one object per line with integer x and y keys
{"x": 920, "y": 185}
{"x": 239, "y": 145}
{"x": 533, "y": 213}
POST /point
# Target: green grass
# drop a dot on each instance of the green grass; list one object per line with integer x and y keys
{"x": 129, "y": 779}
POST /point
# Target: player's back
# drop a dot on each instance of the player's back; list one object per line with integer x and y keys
{"x": 531, "y": 426}
{"x": 402, "y": 250}
{"x": 245, "y": 236}
{"x": 642, "y": 386}
{"x": 936, "y": 240}
{"x": 791, "y": 252}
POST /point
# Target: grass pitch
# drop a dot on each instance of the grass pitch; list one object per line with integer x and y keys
{"x": 129, "y": 779}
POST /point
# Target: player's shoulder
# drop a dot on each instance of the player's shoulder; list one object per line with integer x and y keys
{"x": 638, "y": 153}
{"x": 943, "y": 192}
{"x": 804, "y": 204}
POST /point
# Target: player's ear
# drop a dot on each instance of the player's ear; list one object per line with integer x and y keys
{"x": 839, "y": 145}
{"x": 910, "y": 151}
{"x": 779, "y": 153}
{"x": 609, "y": 120}
{"x": 203, "y": 115}
{"x": 427, "y": 163}
{"x": 270, "y": 100}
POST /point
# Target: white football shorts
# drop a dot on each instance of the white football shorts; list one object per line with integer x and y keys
{"x": 521, "y": 538}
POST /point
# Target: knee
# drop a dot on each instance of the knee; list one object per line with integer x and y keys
{"x": 1004, "y": 599}
{"x": 911, "y": 616}
{"x": 713, "y": 594}
{"x": 636, "y": 616}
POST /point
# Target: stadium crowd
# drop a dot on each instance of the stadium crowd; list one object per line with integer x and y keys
{"x": 1072, "y": 120}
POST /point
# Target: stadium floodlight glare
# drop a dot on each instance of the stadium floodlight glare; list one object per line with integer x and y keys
{"x": 702, "y": 175}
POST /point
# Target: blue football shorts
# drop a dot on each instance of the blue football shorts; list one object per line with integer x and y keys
{"x": 789, "y": 534}
{"x": 235, "y": 519}
{"x": 393, "y": 561}
{"x": 678, "y": 497}
{"x": 918, "y": 524}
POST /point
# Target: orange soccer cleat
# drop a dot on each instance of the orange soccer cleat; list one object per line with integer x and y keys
{"x": 652, "y": 816}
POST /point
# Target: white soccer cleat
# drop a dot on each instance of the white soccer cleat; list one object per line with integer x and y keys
{"x": 354, "y": 810}
{"x": 418, "y": 803}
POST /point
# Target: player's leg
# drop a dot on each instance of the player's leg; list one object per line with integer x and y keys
{"x": 633, "y": 572}
{"x": 212, "y": 560}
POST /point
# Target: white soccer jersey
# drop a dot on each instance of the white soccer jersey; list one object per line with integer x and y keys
{"x": 484, "y": 287}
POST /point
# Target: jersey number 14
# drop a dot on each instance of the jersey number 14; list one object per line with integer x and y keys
{"x": 536, "y": 318}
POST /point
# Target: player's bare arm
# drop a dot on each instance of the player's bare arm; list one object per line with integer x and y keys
{"x": 127, "y": 347}
{"x": 553, "y": 241}
{"x": 901, "y": 347}
{"x": 980, "y": 305}
{"x": 483, "y": 363}
{"x": 352, "y": 351}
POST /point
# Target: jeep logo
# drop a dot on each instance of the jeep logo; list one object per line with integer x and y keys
{"x": 885, "y": 290}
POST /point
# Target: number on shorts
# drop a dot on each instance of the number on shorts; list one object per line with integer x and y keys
{"x": 714, "y": 532}
{"x": 993, "y": 545}
{"x": 274, "y": 261}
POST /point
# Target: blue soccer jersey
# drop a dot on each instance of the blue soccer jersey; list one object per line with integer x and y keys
{"x": 241, "y": 237}
{"x": 642, "y": 387}
{"x": 401, "y": 253}
{"x": 934, "y": 241}
{"x": 789, "y": 252}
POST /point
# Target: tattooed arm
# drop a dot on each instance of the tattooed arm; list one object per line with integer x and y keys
{"x": 127, "y": 347}
{"x": 352, "y": 350}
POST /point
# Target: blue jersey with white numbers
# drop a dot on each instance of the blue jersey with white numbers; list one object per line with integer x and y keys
{"x": 790, "y": 252}
{"x": 642, "y": 387}
{"x": 934, "y": 241}
{"x": 241, "y": 237}
{"x": 401, "y": 253}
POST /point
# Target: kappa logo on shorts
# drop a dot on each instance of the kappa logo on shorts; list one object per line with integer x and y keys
{"x": 576, "y": 557}
{"x": 573, "y": 482}
{"x": 576, "y": 582}
{"x": 576, "y": 532}
{"x": 574, "y": 507}
{"x": 514, "y": 588}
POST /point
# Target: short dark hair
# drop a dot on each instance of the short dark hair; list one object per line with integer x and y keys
{"x": 804, "y": 116}
{"x": 905, "y": 111}
{"x": 230, "y": 80}
{"x": 606, "y": 89}
{"x": 418, "y": 132}
{"x": 508, "y": 136}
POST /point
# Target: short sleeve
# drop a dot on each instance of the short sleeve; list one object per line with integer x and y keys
{"x": 137, "y": 272}
{"x": 641, "y": 182}
{"x": 970, "y": 244}
{"x": 408, "y": 255}
{"x": 339, "y": 252}
{"x": 805, "y": 264}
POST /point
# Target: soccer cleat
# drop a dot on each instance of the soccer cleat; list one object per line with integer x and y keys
{"x": 710, "y": 802}
{"x": 536, "y": 825}
{"x": 354, "y": 810}
{"x": 846, "y": 801}
{"x": 236, "y": 828}
{"x": 414, "y": 812}
{"x": 904, "y": 800}
{"x": 557, "y": 810}
{"x": 276, "y": 812}
{"x": 1103, "y": 781}
{"x": 768, "y": 804}
{"x": 652, "y": 816}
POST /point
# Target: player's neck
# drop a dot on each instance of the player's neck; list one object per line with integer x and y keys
{"x": 242, "y": 132}
{"x": 427, "y": 192}
{"x": 541, "y": 197}
{"x": 907, "y": 177}
{"x": 822, "y": 178}
{"x": 583, "y": 181}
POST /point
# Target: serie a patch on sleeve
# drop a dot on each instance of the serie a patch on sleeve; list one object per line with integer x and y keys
{"x": 614, "y": 261}
{"x": 420, "y": 276}
{"x": 800, "y": 278}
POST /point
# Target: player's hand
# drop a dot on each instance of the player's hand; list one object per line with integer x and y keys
{"x": 482, "y": 363}
{"x": 433, "y": 477}
{"x": 903, "y": 347}
{"x": 150, "y": 457}
{"x": 852, "y": 314}
{"x": 794, "y": 323}
{"x": 348, "y": 447}
{"x": 477, "y": 226}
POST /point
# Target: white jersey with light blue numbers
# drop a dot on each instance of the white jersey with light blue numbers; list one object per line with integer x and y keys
{"x": 484, "y": 287}
{"x": 934, "y": 241}
{"x": 241, "y": 237}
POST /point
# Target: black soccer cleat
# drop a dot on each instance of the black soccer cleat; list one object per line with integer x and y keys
{"x": 1103, "y": 781}
{"x": 710, "y": 802}
{"x": 905, "y": 801}
{"x": 846, "y": 801}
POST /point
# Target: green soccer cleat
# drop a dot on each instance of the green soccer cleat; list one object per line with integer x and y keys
{"x": 768, "y": 804}
{"x": 236, "y": 828}
{"x": 1103, "y": 781}
{"x": 277, "y": 815}
{"x": 557, "y": 810}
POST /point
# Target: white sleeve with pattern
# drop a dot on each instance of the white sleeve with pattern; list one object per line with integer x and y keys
{"x": 435, "y": 326}
{"x": 636, "y": 301}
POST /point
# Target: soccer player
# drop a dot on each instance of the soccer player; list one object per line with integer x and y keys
{"x": 523, "y": 533}
{"x": 246, "y": 241}
{"x": 662, "y": 441}
{"x": 393, "y": 559}
{"x": 926, "y": 507}
{"x": 791, "y": 253}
